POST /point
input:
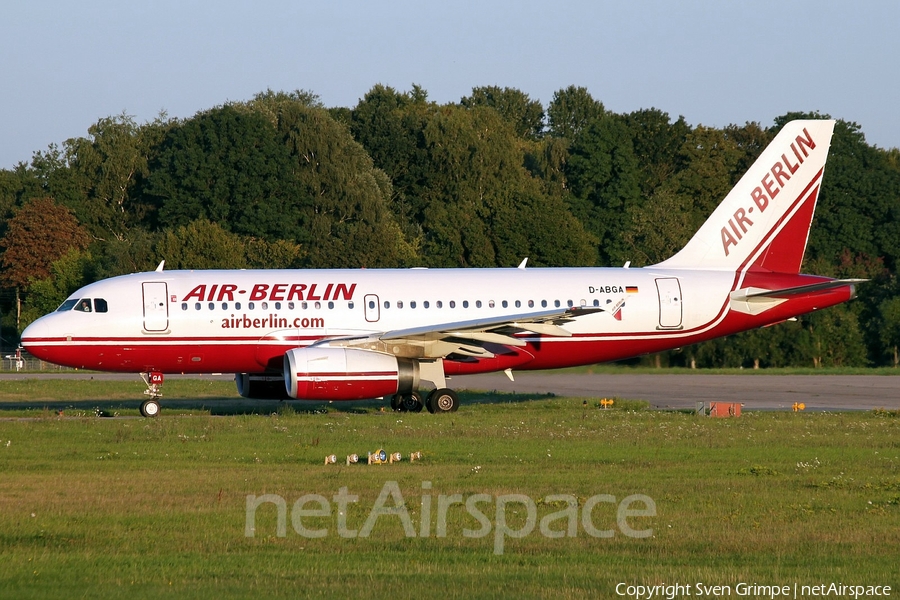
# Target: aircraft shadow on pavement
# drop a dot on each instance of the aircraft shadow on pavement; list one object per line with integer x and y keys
{"x": 228, "y": 406}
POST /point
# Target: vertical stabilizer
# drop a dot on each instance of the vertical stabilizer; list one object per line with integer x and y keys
{"x": 764, "y": 221}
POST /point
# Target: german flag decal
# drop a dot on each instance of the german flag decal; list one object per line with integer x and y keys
{"x": 631, "y": 289}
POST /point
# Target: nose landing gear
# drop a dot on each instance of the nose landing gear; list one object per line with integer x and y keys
{"x": 150, "y": 407}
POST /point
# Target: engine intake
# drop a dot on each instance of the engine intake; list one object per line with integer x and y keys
{"x": 322, "y": 373}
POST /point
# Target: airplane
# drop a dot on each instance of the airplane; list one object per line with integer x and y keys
{"x": 335, "y": 335}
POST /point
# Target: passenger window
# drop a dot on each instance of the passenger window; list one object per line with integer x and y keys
{"x": 317, "y": 305}
{"x": 425, "y": 304}
{"x": 556, "y": 303}
{"x": 251, "y": 306}
{"x": 453, "y": 304}
{"x": 387, "y": 304}
{"x": 465, "y": 304}
{"x": 518, "y": 304}
{"x": 478, "y": 304}
{"x": 237, "y": 306}
{"x": 438, "y": 304}
{"x": 67, "y": 305}
{"x": 596, "y": 302}
{"x": 372, "y": 304}
{"x": 412, "y": 304}
{"x": 330, "y": 305}
{"x": 264, "y": 306}
{"x": 399, "y": 303}
{"x": 543, "y": 303}
{"x": 100, "y": 305}
{"x": 290, "y": 306}
{"x": 504, "y": 304}
{"x": 570, "y": 303}
{"x": 531, "y": 304}
{"x": 350, "y": 304}
{"x": 224, "y": 306}
{"x": 197, "y": 306}
{"x": 212, "y": 306}
{"x": 184, "y": 306}
{"x": 304, "y": 306}
{"x": 278, "y": 306}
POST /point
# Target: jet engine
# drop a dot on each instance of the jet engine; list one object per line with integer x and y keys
{"x": 322, "y": 373}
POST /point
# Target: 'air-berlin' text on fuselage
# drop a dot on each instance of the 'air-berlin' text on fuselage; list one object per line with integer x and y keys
{"x": 273, "y": 292}
{"x": 769, "y": 186}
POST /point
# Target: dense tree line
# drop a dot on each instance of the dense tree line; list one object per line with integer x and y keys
{"x": 281, "y": 181}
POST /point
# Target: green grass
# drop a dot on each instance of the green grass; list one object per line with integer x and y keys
{"x": 157, "y": 507}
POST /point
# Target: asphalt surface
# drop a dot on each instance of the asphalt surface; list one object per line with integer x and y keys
{"x": 817, "y": 392}
{"x": 754, "y": 391}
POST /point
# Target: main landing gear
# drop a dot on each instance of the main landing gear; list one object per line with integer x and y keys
{"x": 150, "y": 407}
{"x": 442, "y": 400}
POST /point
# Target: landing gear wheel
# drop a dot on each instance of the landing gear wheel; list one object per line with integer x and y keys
{"x": 411, "y": 402}
{"x": 397, "y": 402}
{"x": 150, "y": 408}
{"x": 443, "y": 400}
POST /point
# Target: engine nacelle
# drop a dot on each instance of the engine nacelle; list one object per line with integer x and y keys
{"x": 261, "y": 386}
{"x": 322, "y": 373}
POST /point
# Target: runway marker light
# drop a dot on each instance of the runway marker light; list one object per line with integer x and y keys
{"x": 330, "y": 459}
{"x": 607, "y": 402}
{"x": 798, "y": 406}
{"x": 396, "y": 457}
{"x": 379, "y": 457}
{"x": 352, "y": 459}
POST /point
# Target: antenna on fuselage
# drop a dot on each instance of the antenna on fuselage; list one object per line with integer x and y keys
{"x": 522, "y": 264}
{"x": 160, "y": 267}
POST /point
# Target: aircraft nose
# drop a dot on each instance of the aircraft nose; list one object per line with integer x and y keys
{"x": 35, "y": 331}
{"x": 33, "y": 337}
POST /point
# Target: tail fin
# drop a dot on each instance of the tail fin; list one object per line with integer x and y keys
{"x": 764, "y": 221}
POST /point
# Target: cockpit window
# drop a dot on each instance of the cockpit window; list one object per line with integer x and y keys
{"x": 100, "y": 305}
{"x": 84, "y": 305}
{"x": 67, "y": 305}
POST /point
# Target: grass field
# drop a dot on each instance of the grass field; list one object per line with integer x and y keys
{"x": 132, "y": 507}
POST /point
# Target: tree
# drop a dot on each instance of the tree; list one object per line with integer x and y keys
{"x": 67, "y": 274}
{"x": 389, "y": 125}
{"x": 482, "y": 207}
{"x": 201, "y": 244}
{"x": 603, "y": 177}
{"x": 107, "y": 166}
{"x": 229, "y": 166}
{"x": 524, "y": 114}
{"x": 890, "y": 329}
{"x": 41, "y": 232}
{"x": 571, "y": 110}
{"x": 657, "y": 143}
{"x": 346, "y": 198}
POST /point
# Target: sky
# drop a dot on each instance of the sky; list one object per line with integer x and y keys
{"x": 64, "y": 65}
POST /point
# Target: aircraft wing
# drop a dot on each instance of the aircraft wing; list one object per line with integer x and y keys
{"x": 469, "y": 338}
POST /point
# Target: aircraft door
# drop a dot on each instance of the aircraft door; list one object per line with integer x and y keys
{"x": 373, "y": 310}
{"x": 669, "y": 302}
{"x": 156, "y": 306}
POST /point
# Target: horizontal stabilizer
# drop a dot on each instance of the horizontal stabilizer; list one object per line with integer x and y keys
{"x": 747, "y": 294}
{"x": 754, "y": 301}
